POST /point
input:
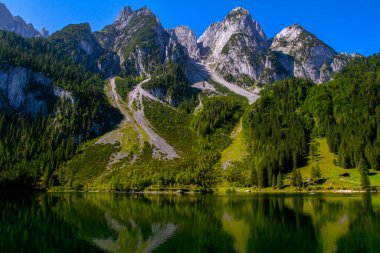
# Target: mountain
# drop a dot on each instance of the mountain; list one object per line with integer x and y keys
{"x": 83, "y": 48}
{"x": 140, "y": 42}
{"x": 116, "y": 109}
{"x": 187, "y": 38}
{"x": 16, "y": 24}
{"x": 237, "y": 47}
{"x": 311, "y": 57}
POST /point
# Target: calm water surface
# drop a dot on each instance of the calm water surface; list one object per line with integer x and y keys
{"x": 97, "y": 222}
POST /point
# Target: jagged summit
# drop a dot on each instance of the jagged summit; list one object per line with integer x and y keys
{"x": 311, "y": 57}
{"x": 295, "y": 33}
{"x": 187, "y": 38}
{"x": 238, "y": 12}
{"x": 16, "y": 24}
{"x": 140, "y": 42}
{"x": 127, "y": 14}
{"x": 295, "y": 40}
{"x": 124, "y": 13}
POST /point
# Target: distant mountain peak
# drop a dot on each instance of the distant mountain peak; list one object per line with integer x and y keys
{"x": 127, "y": 14}
{"x": 124, "y": 13}
{"x": 238, "y": 12}
{"x": 295, "y": 36}
{"x": 16, "y": 24}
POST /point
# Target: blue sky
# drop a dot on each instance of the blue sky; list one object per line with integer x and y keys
{"x": 347, "y": 26}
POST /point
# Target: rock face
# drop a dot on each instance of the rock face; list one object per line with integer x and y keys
{"x": 24, "y": 89}
{"x": 238, "y": 48}
{"x": 311, "y": 58}
{"x": 140, "y": 42}
{"x": 17, "y": 25}
{"x": 187, "y": 38}
{"x": 237, "y": 23}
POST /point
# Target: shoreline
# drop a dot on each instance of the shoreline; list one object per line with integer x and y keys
{"x": 219, "y": 192}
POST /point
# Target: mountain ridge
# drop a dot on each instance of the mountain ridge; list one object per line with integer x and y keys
{"x": 16, "y": 24}
{"x": 237, "y": 47}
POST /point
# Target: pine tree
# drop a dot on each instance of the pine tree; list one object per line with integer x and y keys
{"x": 280, "y": 182}
{"x": 294, "y": 178}
{"x": 299, "y": 182}
{"x": 254, "y": 176}
{"x": 297, "y": 178}
{"x": 364, "y": 175}
{"x": 316, "y": 174}
{"x": 274, "y": 183}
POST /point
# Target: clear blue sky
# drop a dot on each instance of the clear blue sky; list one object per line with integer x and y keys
{"x": 346, "y": 25}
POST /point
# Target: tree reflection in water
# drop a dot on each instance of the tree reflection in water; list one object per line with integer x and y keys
{"x": 97, "y": 222}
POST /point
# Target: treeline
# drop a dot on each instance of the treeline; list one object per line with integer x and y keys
{"x": 33, "y": 148}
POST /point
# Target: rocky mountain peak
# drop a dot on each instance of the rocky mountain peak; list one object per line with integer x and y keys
{"x": 44, "y": 33}
{"x": 4, "y": 10}
{"x": 294, "y": 34}
{"x": 238, "y": 12}
{"x": 187, "y": 38}
{"x": 16, "y": 24}
{"x": 124, "y": 13}
{"x": 298, "y": 42}
{"x": 236, "y": 46}
{"x": 140, "y": 16}
{"x": 311, "y": 57}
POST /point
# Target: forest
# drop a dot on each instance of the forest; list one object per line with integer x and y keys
{"x": 291, "y": 113}
{"x": 32, "y": 148}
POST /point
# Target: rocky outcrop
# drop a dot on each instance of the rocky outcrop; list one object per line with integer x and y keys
{"x": 218, "y": 35}
{"x": 140, "y": 42}
{"x": 312, "y": 58}
{"x": 238, "y": 49}
{"x": 187, "y": 38}
{"x": 17, "y": 25}
{"x": 29, "y": 91}
{"x": 24, "y": 89}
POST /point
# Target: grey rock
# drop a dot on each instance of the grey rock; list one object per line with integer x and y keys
{"x": 17, "y": 25}
{"x": 238, "y": 48}
{"x": 29, "y": 91}
{"x": 140, "y": 42}
{"x": 187, "y": 38}
{"x": 313, "y": 59}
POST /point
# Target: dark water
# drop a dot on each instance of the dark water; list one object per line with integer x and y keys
{"x": 97, "y": 222}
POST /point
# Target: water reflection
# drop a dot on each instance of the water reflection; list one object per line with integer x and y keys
{"x": 96, "y": 222}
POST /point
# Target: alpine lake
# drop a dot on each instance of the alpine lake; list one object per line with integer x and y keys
{"x": 110, "y": 222}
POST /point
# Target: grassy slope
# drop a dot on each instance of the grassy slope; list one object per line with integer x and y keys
{"x": 237, "y": 151}
{"x": 332, "y": 173}
{"x": 170, "y": 124}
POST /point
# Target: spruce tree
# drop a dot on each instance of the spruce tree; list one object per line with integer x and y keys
{"x": 364, "y": 175}
{"x": 294, "y": 178}
{"x": 297, "y": 178}
{"x": 280, "y": 182}
{"x": 316, "y": 174}
{"x": 274, "y": 183}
